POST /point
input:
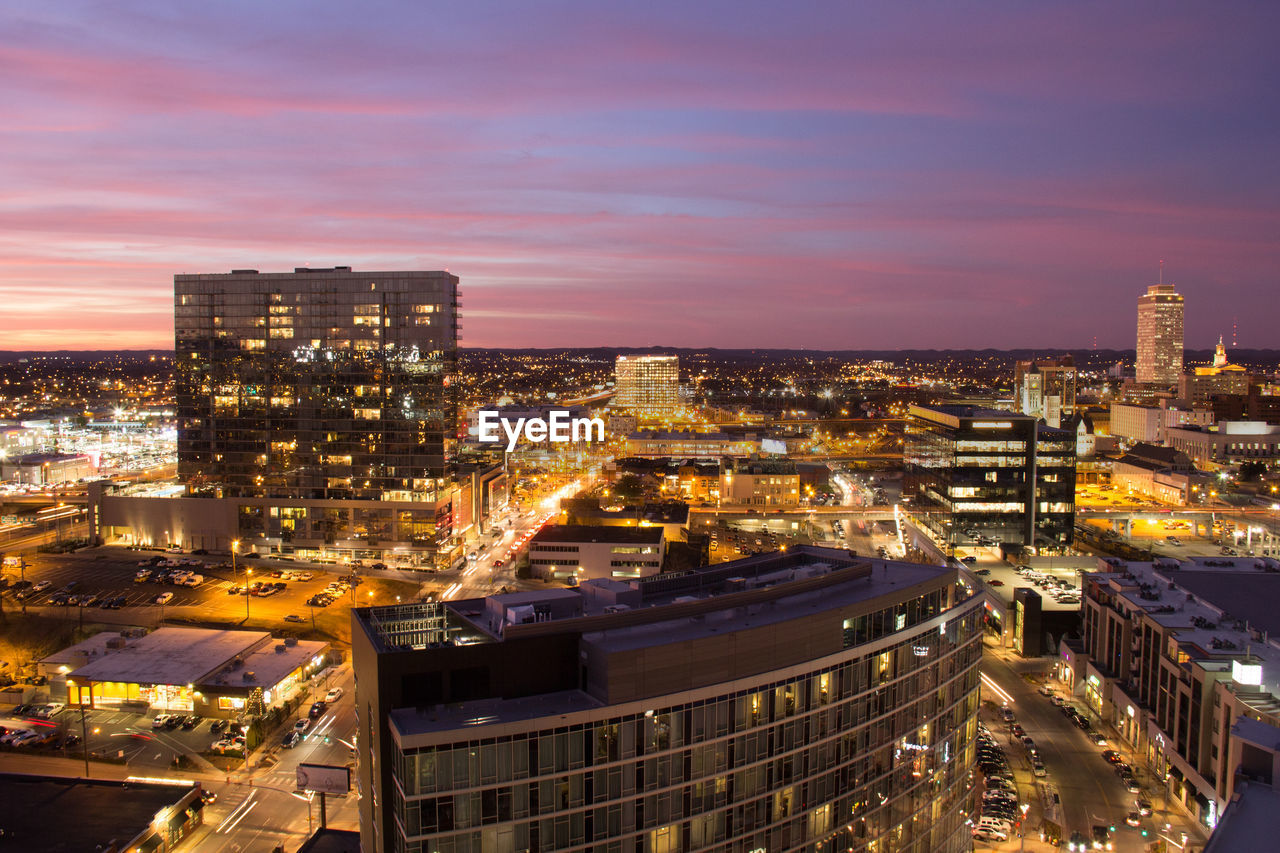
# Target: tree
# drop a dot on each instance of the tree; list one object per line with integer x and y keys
{"x": 629, "y": 487}
{"x": 1252, "y": 471}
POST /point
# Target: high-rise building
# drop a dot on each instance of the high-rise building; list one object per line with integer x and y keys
{"x": 1159, "y": 335}
{"x": 320, "y": 383}
{"x": 985, "y": 475}
{"x": 800, "y": 700}
{"x": 647, "y": 384}
{"x": 316, "y": 418}
{"x": 1046, "y": 389}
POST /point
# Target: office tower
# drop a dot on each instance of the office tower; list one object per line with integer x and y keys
{"x": 647, "y": 384}
{"x": 804, "y": 700}
{"x": 984, "y": 475}
{"x": 1047, "y": 388}
{"x": 1159, "y": 335}
{"x": 324, "y": 383}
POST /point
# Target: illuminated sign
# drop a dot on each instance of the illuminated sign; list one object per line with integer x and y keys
{"x": 920, "y": 651}
{"x": 1246, "y": 673}
{"x": 992, "y": 425}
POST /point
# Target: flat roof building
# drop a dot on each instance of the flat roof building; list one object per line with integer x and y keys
{"x": 976, "y": 474}
{"x": 588, "y": 551}
{"x": 316, "y": 416}
{"x": 217, "y": 673}
{"x": 647, "y": 385}
{"x": 798, "y": 700}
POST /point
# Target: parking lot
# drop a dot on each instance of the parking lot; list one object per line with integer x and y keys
{"x": 101, "y": 575}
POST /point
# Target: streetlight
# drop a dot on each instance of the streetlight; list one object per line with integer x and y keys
{"x": 248, "y": 573}
{"x": 1022, "y": 836}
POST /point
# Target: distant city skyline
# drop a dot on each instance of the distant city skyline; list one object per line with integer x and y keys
{"x": 822, "y": 176}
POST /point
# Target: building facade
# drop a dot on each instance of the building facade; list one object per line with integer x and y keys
{"x": 1175, "y": 659}
{"x": 326, "y": 383}
{"x": 1046, "y": 389}
{"x": 803, "y": 701}
{"x": 647, "y": 385}
{"x": 1229, "y": 442}
{"x": 584, "y": 552}
{"x": 759, "y": 482}
{"x": 975, "y": 474}
{"x": 316, "y": 416}
{"x": 1160, "y": 338}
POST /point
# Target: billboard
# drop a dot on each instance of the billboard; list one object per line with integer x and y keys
{"x": 324, "y": 778}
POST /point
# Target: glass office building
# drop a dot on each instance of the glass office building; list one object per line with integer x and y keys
{"x": 322, "y": 384}
{"x": 805, "y": 700}
{"x": 985, "y": 475}
{"x": 647, "y": 385}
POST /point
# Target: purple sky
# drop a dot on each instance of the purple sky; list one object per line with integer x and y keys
{"x": 834, "y": 175}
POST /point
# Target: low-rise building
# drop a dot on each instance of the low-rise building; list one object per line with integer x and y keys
{"x": 1158, "y": 472}
{"x": 213, "y": 673}
{"x": 587, "y": 551}
{"x": 39, "y": 469}
{"x": 1229, "y": 442}
{"x": 690, "y": 445}
{"x": 1174, "y": 658}
{"x": 759, "y": 482}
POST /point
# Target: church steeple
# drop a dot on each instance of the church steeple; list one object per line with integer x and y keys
{"x": 1220, "y": 354}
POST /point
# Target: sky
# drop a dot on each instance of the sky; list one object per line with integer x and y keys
{"x": 843, "y": 175}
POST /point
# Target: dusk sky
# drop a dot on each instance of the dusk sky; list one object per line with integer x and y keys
{"x": 833, "y": 175}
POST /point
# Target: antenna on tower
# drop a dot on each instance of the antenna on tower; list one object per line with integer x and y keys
{"x": 1162, "y": 270}
{"x": 1235, "y": 322}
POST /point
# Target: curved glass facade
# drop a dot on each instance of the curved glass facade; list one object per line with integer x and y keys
{"x": 867, "y": 749}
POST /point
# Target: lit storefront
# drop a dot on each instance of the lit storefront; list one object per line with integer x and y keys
{"x": 190, "y": 670}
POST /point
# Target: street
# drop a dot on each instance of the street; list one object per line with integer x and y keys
{"x": 1088, "y": 792}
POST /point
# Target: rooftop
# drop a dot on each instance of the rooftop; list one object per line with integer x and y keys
{"x": 588, "y": 533}
{"x": 268, "y": 664}
{"x": 170, "y": 656}
{"x": 86, "y": 815}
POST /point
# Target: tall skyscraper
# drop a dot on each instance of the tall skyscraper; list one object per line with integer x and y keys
{"x": 647, "y": 384}
{"x": 1160, "y": 335}
{"x": 798, "y": 700}
{"x": 322, "y": 383}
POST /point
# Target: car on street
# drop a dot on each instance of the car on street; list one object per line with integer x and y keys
{"x": 333, "y": 695}
{"x": 293, "y": 617}
{"x": 969, "y": 559}
{"x": 1098, "y": 739}
{"x": 1077, "y": 843}
{"x": 291, "y": 739}
{"x": 1038, "y": 768}
{"x": 317, "y": 708}
{"x": 1101, "y": 838}
{"x": 302, "y": 726}
{"x": 996, "y": 583}
{"x": 1144, "y": 808}
{"x": 1133, "y": 819}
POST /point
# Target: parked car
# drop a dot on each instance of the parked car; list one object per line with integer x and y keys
{"x": 293, "y": 617}
{"x": 164, "y": 598}
{"x": 333, "y": 695}
{"x": 291, "y": 739}
{"x": 302, "y": 726}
